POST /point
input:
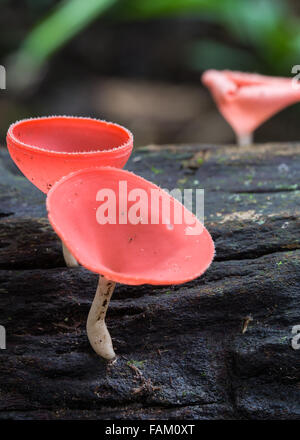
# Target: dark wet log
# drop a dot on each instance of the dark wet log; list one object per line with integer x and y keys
{"x": 218, "y": 347}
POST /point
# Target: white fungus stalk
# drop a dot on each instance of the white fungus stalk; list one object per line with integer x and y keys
{"x": 97, "y": 332}
{"x": 69, "y": 259}
{"x": 244, "y": 139}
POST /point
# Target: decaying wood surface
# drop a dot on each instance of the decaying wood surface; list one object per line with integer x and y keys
{"x": 216, "y": 348}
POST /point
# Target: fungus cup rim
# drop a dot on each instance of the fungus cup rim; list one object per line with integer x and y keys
{"x": 34, "y": 148}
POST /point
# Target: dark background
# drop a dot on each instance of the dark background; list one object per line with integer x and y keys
{"x": 139, "y": 62}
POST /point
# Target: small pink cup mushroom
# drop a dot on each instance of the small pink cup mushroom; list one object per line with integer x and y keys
{"x": 46, "y": 149}
{"x": 246, "y": 100}
{"x": 126, "y": 238}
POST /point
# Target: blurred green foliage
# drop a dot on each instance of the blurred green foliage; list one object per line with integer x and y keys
{"x": 266, "y": 26}
{"x": 61, "y": 25}
{"x": 266, "y": 33}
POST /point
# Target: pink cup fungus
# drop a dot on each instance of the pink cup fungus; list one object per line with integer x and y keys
{"x": 46, "y": 149}
{"x": 126, "y": 238}
{"x": 246, "y": 100}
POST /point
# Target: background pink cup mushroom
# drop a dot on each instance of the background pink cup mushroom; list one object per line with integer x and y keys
{"x": 246, "y": 100}
{"x": 46, "y": 149}
{"x": 148, "y": 251}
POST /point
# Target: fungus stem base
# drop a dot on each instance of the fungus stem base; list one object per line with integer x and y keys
{"x": 69, "y": 259}
{"x": 97, "y": 332}
{"x": 244, "y": 139}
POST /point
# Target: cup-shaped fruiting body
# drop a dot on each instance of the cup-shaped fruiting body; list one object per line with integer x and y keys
{"x": 46, "y": 149}
{"x": 246, "y": 100}
{"x": 114, "y": 223}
